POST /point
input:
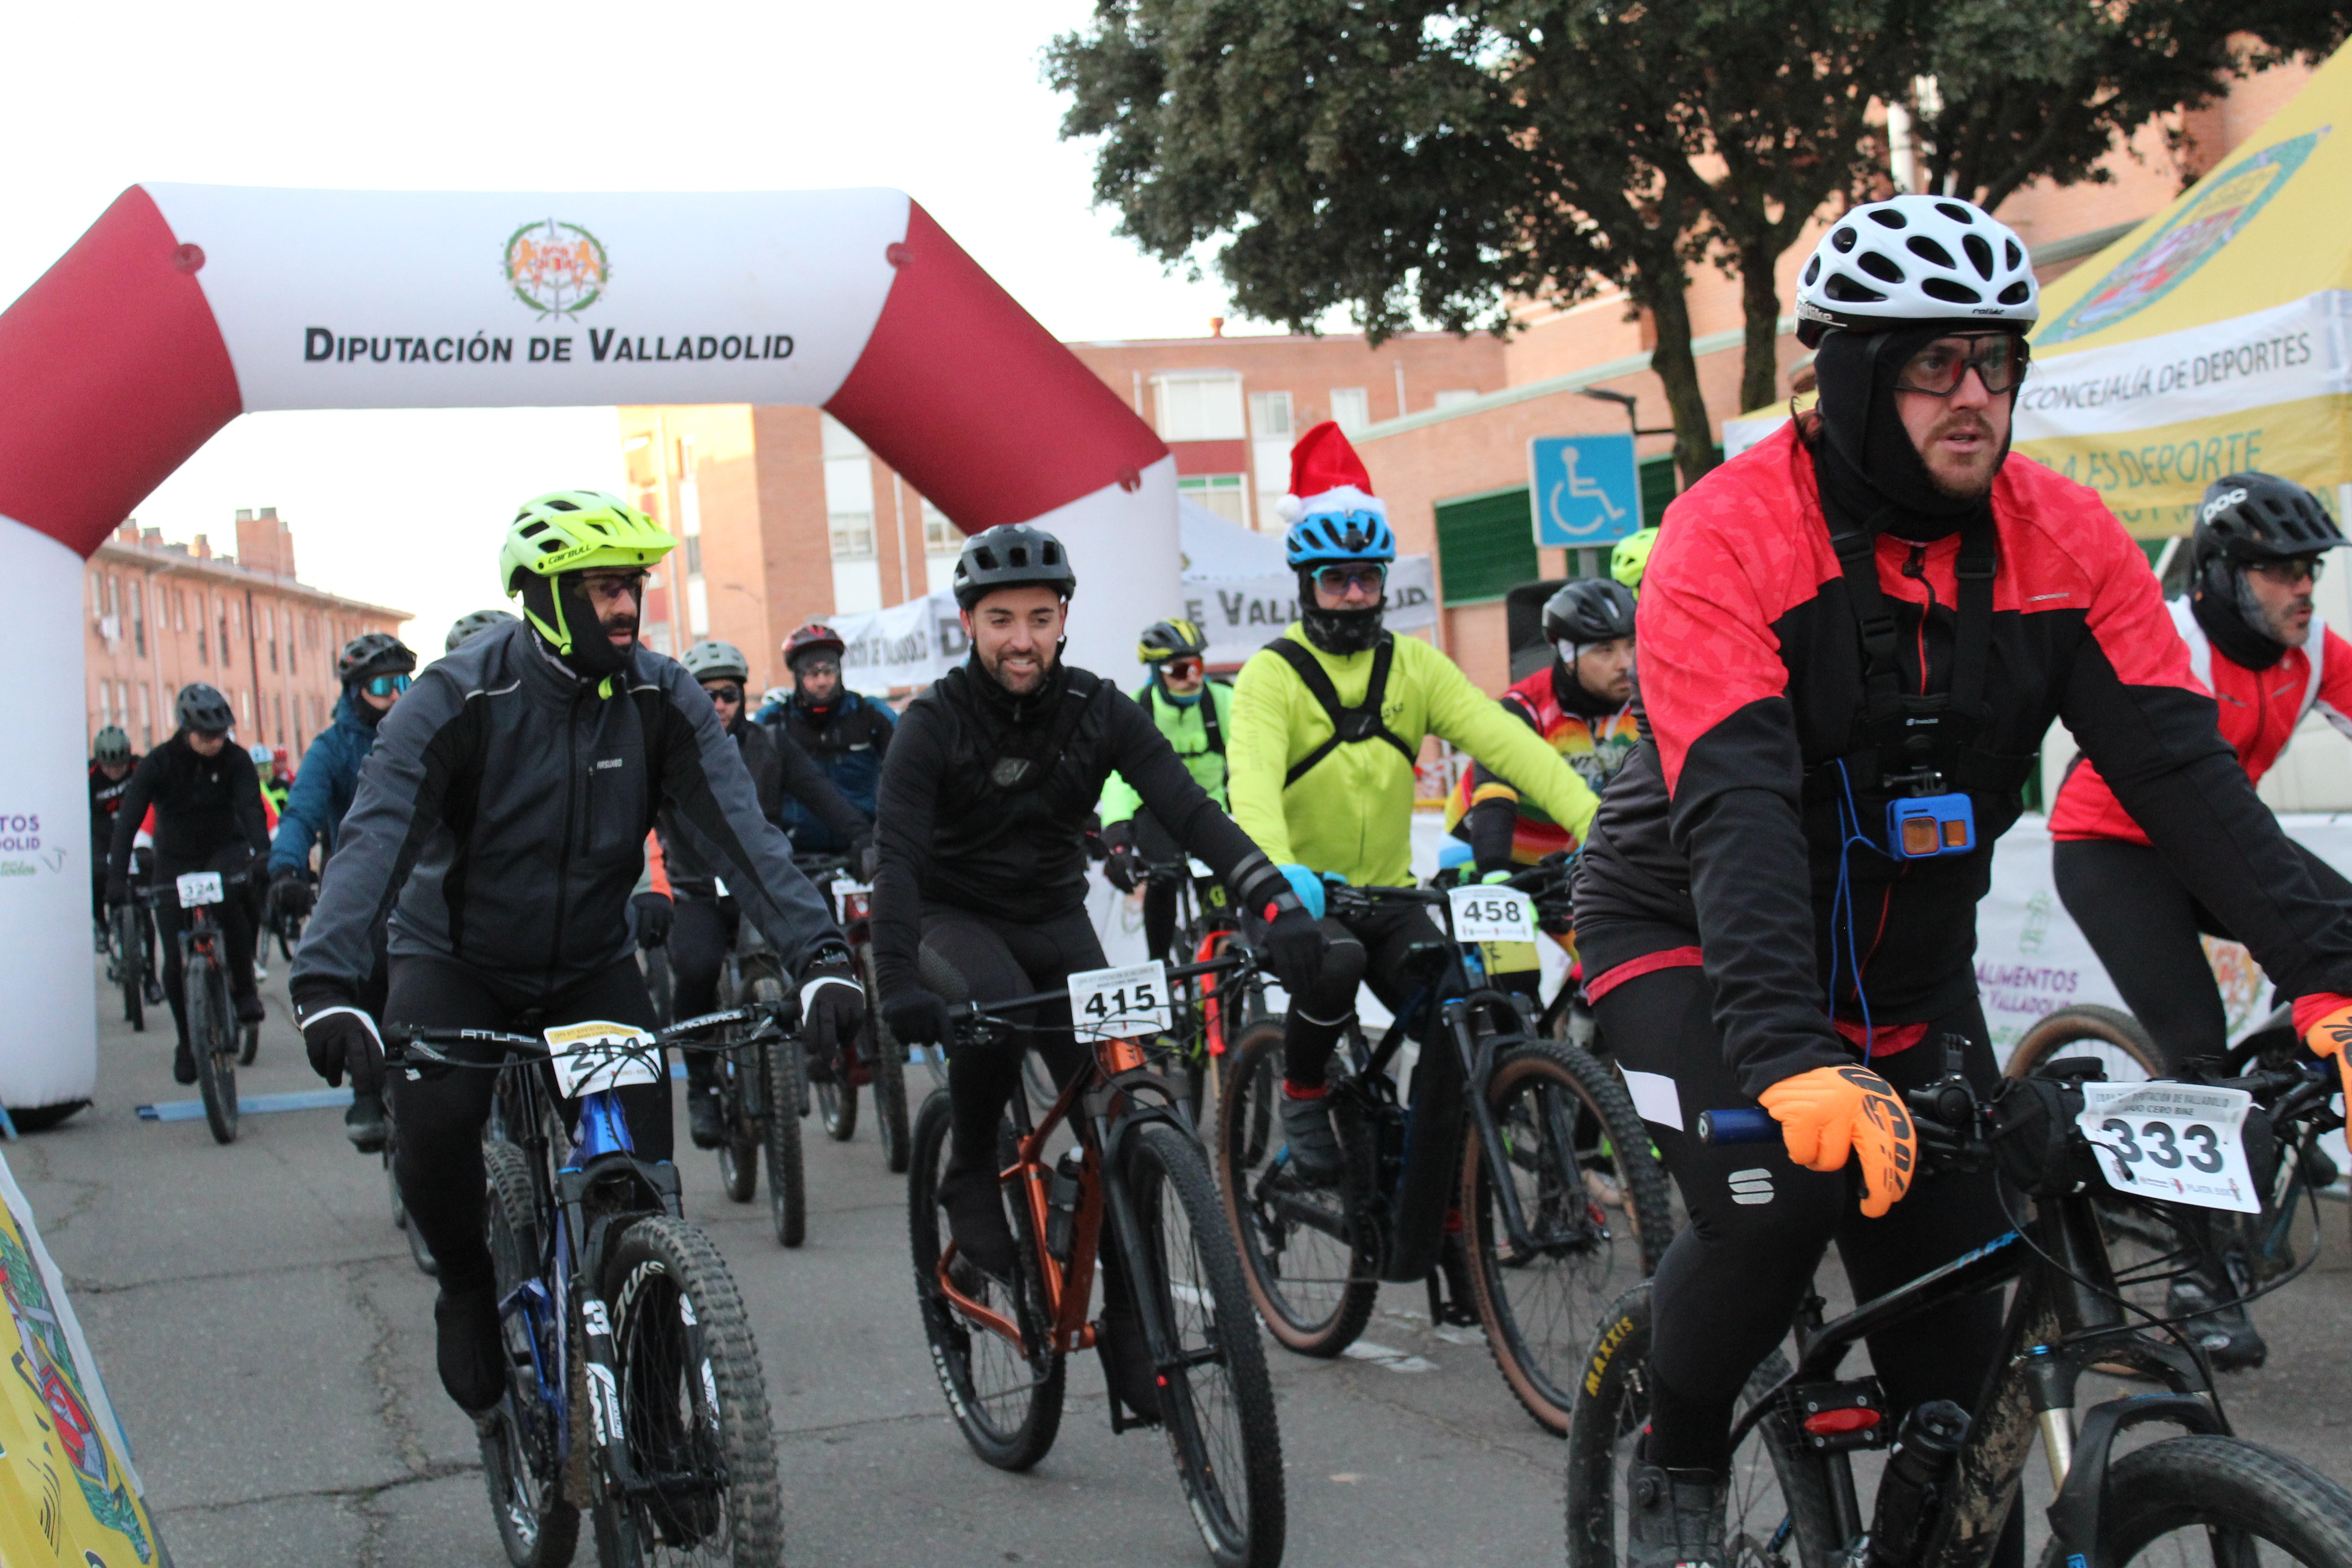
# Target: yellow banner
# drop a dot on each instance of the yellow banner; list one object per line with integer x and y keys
{"x": 67, "y": 1495}
{"x": 2154, "y": 479}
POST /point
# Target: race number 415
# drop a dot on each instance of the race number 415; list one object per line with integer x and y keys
{"x": 1118, "y": 1004}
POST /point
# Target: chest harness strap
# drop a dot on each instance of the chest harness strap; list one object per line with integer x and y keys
{"x": 1148, "y": 698}
{"x": 1348, "y": 725}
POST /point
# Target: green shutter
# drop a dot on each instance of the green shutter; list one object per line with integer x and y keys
{"x": 1485, "y": 546}
{"x": 1658, "y": 488}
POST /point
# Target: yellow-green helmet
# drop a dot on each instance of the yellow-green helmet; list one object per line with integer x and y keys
{"x": 1164, "y": 640}
{"x": 578, "y": 531}
{"x": 1631, "y": 557}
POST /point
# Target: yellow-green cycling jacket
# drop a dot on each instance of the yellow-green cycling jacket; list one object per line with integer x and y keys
{"x": 1189, "y": 736}
{"x": 1351, "y": 814}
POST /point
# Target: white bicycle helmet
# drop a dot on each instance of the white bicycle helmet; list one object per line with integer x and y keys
{"x": 1915, "y": 260}
{"x": 711, "y": 660}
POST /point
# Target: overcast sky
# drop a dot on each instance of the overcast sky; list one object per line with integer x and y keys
{"x": 943, "y": 101}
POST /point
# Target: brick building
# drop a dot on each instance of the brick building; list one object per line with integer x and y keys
{"x": 786, "y": 515}
{"x": 162, "y": 616}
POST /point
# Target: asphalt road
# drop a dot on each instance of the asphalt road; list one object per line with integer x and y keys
{"x": 268, "y": 1342}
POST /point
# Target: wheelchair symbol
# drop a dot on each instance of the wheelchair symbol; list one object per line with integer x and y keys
{"x": 1577, "y": 487}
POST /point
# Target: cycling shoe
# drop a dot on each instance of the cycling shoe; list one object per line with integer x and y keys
{"x": 248, "y": 1006}
{"x": 469, "y": 1350}
{"x": 1126, "y": 1360}
{"x": 364, "y": 1124}
{"x": 975, "y": 1206}
{"x": 704, "y": 1119}
{"x": 1674, "y": 1519}
{"x": 2224, "y": 1331}
{"x": 155, "y": 995}
{"x": 184, "y": 1064}
{"x": 1315, "y": 1156}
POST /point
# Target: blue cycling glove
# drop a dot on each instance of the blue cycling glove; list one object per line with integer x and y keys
{"x": 1307, "y": 884}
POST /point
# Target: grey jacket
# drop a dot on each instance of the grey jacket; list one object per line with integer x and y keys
{"x": 505, "y": 806}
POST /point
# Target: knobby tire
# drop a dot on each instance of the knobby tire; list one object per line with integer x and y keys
{"x": 787, "y": 1177}
{"x": 520, "y": 1468}
{"x": 213, "y": 1047}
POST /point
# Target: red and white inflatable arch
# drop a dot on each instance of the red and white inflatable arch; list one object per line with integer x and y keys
{"x": 186, "y": 305}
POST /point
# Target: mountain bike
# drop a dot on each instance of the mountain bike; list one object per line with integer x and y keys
{"x": 215, "y": 1038}
{"x": 1525, "y": 1153}
{"x": 763, "y": 1090}
{"x": 129, "y": 954}
{"x": 875, "y": 1056}
{"x": 633, "y": 1389}
{"x": 1951, "y": 1482}
{"x": 1211, "y": 1004}
{"x": 1136, "y": 1180}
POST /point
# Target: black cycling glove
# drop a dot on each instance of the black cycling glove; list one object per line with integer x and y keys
{"x": 342, "y": 1039}
{"x": 654, "y": 913}
{"x": 833, "y": 1006}
{"x": 291, "y": 893}
{"x": 917, "y": 1017}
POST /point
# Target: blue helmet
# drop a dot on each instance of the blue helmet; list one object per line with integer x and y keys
{"x": 1327, "y": 536}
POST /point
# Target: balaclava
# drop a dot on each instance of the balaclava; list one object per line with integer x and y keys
{"x": 1870, "y": 472}
{"x": 559, "y": 604}
{"x": 1338, "y": 632}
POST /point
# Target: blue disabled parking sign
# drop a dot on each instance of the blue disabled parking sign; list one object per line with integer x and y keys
{"x": 1586, "y": 489}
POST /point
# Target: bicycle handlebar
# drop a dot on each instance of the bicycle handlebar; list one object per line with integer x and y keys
{"x": 986, "y": 1012}
{"x": 421, "y": 1043}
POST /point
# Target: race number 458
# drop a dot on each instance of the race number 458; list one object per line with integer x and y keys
{"x": 1118, "y": 1004}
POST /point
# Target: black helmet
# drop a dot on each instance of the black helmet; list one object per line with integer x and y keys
{"x": 202, "y": 706}
{"x": 468, "y": 625}
{"x": 1164, "y": 640}
{"x": 372, "y": 654}
{"x": 2247, "y": 517}
{"x": 111, "y": 746}
{"x": 1589, "y": 610}
{"x": 1012, "y": 555}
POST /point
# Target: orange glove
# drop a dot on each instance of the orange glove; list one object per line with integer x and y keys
{"x": 2324, "y": 1021}
{"x": 1830, "y": 1111}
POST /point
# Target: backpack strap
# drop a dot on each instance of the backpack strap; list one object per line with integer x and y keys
{"x": 1350, "y": 726}
{"x": 1217, "y": 735}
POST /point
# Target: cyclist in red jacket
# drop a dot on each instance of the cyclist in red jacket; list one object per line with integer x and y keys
{"x": 2255, "y": 643}
{"x": 1853, "y": 640}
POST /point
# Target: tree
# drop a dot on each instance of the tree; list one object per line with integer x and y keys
{"x": 2026, "y": 89}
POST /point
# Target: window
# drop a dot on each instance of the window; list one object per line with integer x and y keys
{"x": 1204, "y": 405}
{"x": 281, "y": 717}
{"x": 317, "y": 713}
{"x": 224, "y": 634}
{"x": 1454, "y": 395}
{"x": 179, "y": 609}
{"x": 694, "y": 555}
{"x": 137, "y": 618}
{"x": 848, "y": 493}
{"x": 1351, "y": 408}
{"x": 1485, "y": 546}
{"x": 146, "y": 721}
{"x": 1270, "y": 440}
{"x": 697, "y": 606}
{"x": 1221, "y": 493}
{"x": 940, "y": 537}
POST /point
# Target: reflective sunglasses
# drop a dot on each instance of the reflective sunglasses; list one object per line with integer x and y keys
{"x": 1336, "y": 580}
{"x": 1185, "y": 668}
{"x": 2287, "y": 573}
{"x": 1998, "y": 358}
{"x": 728, "y": 693}
{"x": 385, "y": 685}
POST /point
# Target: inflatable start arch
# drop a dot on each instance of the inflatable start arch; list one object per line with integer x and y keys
{"x": 186, "y": 305}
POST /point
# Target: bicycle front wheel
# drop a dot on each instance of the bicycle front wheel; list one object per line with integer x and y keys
{"x": 212, "y": 1044}
{"x": 522, "y": 1465}
{"x": 787, "y": 1178}
{"x": 1593, "y": 1199}
{"x": 1006, "y": 1395}
{"x": 130, "y": 967}
{"x": 694, "y": 1408}
{"x": 739, "y": 1146}
{"x": 1308, "y": 1254}
{"x": 887, "y": 1059}
{"x": 1779, "y": 1514}
{"x": 1216, "y": 1401}
{"x": 2201, "y": 1499}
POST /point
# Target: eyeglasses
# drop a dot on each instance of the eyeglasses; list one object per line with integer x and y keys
{"x": 727, "y": 693}
{"x": 1999, "y": 359}
{"x": 1185, "y": 668}
{"x": 605, "y": 589}
{"x": 386, "y": 685}
{"x": 1336, "y": 580}
{"x": 819, "y": 666}
{"x": 2287, "y": 573}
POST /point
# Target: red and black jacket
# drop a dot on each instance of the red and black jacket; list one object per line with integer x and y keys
{"x": 1721, "y": 841}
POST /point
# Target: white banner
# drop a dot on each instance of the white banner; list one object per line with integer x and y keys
{"x": 476, "y": 300}
{"x": 2283, "y": 354}
{"x": 911, "y": 644}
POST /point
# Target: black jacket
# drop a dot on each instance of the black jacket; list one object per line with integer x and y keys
{"x": 504, "y": 808}
{"x": 203, "y": 805}
{"x": 985, "y": 799}
{"x": 778, "y": 768}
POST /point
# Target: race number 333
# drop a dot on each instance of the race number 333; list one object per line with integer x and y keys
{"x": 2183, "y": 1143}
{"x": 1116, "y": 1003}
{"x": 1492, "y": 914}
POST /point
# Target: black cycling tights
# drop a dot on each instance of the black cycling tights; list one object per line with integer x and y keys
{"x": 440, "y": 1117}
{"x": 700, "y": 934}
{"x": 1729, "y": 1285}
{"x": 1369, "y": 949}
{"x": 969, "y": 957}
{"x": 2143, "y": 922}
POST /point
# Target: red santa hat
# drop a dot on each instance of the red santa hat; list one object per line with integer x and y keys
{"x": 1326, "y": 475}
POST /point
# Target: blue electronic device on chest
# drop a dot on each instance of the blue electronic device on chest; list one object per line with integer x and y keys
{"x": 1922, "y": 826}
